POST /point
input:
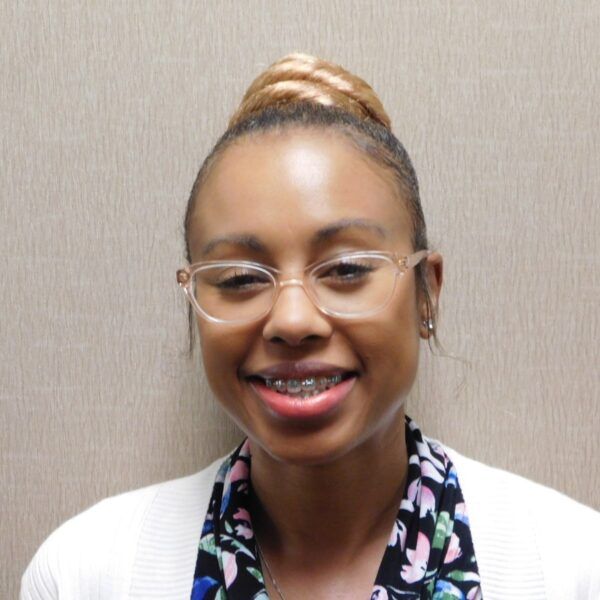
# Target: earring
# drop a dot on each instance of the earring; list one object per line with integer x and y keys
{"x": 428, "y": 323}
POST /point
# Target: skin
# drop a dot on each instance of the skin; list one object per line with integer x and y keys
{"x": 325, "y": 493}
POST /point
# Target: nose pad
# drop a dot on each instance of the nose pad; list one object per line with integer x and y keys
{"x": 295, "y": 317}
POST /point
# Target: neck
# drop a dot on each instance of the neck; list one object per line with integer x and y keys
{"x": 332, "y": 510}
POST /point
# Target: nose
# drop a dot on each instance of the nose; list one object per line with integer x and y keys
{"x": 294, "y": 317}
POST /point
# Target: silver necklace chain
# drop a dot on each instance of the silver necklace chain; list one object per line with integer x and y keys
{"x": 269, "y": 572}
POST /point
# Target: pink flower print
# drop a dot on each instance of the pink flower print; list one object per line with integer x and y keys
{"x": 417, "y": 559}
{"x": 427, "y": 501}
{"x": 243, "y": 529}
{"x": 398, "y": 535}
{"x": 413, "y": 489}
{"x": 454, "y": 550}
{"x": 407, "y": 505}
{"x": 229, "y": 568}
{"x": 242, "y": 515}
{"x": 474, "y": 594}
{"x": 460, "y": 513}
{"x": 428, "y": 470}
{"x": 379, "y": 593}
{"x": 425, "y": 453}
{"x": 412, "y": 495}
{"x": 238, "y": 471}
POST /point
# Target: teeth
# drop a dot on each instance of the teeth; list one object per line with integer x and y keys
{"x": 309, "y": 384}
{"x": 294, "y": 386}
{"x": 277, "y": 384}
{"x": 303, "y": 388}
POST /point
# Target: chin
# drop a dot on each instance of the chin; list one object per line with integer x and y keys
{"x": 305, "y": 455}
{"x": 312, "y": 447}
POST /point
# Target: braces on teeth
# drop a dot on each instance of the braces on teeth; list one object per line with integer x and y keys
{"x": 303, "y": 388}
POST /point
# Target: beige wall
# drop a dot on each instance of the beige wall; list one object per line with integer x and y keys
{"x": 107, "y": 109}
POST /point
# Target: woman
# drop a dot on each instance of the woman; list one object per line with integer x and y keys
{"x": 312, "y": 286}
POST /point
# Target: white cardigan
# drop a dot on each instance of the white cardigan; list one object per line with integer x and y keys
{"x": 531, "y": 542}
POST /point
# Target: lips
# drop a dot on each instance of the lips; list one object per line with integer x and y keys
{"x": 299, "y": 370}
{"x": 303, "y": 378}
{"x": 303, "y": 389}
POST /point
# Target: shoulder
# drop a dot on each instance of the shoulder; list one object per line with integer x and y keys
{"x": 110, "y": 550}
{"x": 530, "y": 540}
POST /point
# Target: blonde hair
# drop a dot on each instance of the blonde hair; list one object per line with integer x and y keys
{"x": 304, "y": 78}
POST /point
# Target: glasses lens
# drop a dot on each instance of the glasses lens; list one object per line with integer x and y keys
{"x": 233, "y": 291}
{"x": 354, "y": 284}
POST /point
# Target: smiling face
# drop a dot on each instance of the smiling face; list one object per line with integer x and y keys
{"x": 287, "y": 200}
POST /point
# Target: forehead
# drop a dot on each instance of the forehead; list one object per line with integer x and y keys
{"x": 282, "y": 187}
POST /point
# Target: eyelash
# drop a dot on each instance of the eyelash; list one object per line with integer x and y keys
{"x": 229, "y": 282}
{"x": 336, "y": 272}
{"x": 358, "y": 268}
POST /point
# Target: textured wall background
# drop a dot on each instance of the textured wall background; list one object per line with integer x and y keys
{"x": 107, "y": 110}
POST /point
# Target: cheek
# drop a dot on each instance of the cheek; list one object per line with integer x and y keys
{"x": 218, "y": 352}
{"x": 224, "y": 349}
{"x": 390, "y": 346}
{"x": 392, "y": 349}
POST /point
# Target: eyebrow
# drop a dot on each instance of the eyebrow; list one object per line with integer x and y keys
{"x": 252, "y": 242}
{"x": 329, "y": 231}
{"x": 246, "y": 241}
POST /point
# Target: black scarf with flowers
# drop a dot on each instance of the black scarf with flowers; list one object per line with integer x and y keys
{"x": 429, "y": 555}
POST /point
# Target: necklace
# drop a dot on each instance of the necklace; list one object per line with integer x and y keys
{"x": 269, "y": 572}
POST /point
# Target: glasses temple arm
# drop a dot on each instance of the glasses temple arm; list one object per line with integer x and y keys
{"x": 414, "y": 259}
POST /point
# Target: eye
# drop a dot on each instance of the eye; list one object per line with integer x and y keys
{"x": 241, "y": 279}
{"x": 346, "y": 271}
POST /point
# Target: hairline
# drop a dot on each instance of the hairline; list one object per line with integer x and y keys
{"x": 384, "y": 171}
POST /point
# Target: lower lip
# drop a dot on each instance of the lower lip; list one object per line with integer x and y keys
{"x": 289, "y": 407}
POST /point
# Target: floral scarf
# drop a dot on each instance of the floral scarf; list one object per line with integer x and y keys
{"x": 429, "y": 555}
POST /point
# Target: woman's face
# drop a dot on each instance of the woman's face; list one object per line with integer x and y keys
{"x": 287, "y": 200}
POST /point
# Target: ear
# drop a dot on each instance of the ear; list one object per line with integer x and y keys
{"x": 429, "y": 302}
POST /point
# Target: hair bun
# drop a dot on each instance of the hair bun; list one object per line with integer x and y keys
{"x": 305, "y": 78}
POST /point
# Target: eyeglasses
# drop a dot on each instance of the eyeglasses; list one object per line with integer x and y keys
{"x": 349, "y": 286}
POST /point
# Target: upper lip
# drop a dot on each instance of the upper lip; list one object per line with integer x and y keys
{"x": 298, "y": 369}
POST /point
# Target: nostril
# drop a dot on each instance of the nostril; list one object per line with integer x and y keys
{"x": 277, "y": 339}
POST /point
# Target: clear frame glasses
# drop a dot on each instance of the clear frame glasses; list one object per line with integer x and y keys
{"x": 352, "y": 285}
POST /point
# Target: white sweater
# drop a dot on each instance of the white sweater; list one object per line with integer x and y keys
{"x": 531, "y": 542}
